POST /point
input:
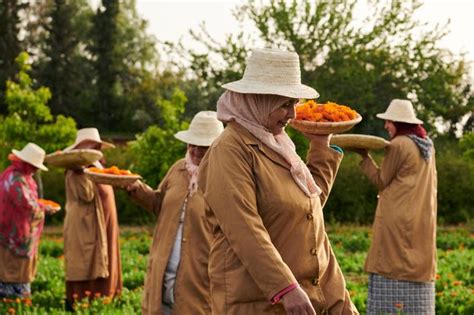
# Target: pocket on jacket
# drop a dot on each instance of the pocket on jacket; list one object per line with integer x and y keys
{"x": 240, "y": 286}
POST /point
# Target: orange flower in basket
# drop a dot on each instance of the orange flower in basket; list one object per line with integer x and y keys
{"x": 49, "y": 203}
{"x": 329, "y": 112}
{"x": 113, "y": 170}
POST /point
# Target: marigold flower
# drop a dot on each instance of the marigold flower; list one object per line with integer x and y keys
{"x": 398, "y": 305}
{"x": 113, "y": 170}
{"x": 87, "y": 293}
{"x": 97, "y": 294}
{"x": 329, "y": 112}
{"x": 75, "y": 296}
{"x": 11, "y": 310}
{"x": 27, "y": 301}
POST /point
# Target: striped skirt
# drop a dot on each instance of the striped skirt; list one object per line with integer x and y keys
{"x": 389, "y": 296}
{"x": 14, "y": 290}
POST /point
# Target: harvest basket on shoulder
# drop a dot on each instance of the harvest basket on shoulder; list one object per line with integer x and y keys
{"x": 323, "y": 119}
{"x": 353, "y": 141}
{"x": 73, "y": 158}
{"x": 111, "y": 176}
{"x": 51, "y": 205}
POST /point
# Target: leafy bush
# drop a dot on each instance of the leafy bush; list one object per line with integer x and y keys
{"x": 29, "y": 118}
{"x": 156, "y": 149}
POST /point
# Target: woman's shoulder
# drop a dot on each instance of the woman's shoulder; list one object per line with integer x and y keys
{"x": 401, "y": 142}
{"x": 235, "y": 135}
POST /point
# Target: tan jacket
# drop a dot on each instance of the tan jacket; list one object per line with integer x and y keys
{"x": 267, "y": 234}
{"x": 191, "y": 290}
{"x": 85, "y": 239}
{"x": 404, "y": 231}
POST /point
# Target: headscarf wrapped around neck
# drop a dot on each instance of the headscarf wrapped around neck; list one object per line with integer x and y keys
{"x": 252, "y": 111}
{"x": 417, "y": 133}
{"x": 193, "y": 171}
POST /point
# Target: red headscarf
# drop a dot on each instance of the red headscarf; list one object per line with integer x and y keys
{"x": 409, "y": 129}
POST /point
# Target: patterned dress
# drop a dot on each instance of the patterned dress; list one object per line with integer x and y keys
{"x": 21, "y": 225}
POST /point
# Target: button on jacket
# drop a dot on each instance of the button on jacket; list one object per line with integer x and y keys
{"x": 404, "y": 231}
{"x": 267, "y": 234}
{"x": 191, "y": 290}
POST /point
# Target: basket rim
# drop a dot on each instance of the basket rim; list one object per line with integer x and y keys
{"x": 111, "y": 176}
{"x": 73, "y": 152}
{"x": 327, "y": 123}
{"x": 359, "y": 141}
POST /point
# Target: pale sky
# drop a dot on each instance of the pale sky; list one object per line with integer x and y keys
{"x": 170, "y": 20}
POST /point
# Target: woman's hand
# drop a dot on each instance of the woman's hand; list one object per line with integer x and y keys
{"x": 318, "y": 140}
{"x": 132, "y": 188}
{"x": 297, "y": 302}
{"x": 51, "y": 210}
{"x": 363, "y": 152}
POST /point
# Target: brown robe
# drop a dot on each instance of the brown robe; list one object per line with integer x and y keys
{"x": 91, "y": 239}
{"x": 191, "y": 290}
{"x": 404, "y": 231}
{"x": 268, "y": 234}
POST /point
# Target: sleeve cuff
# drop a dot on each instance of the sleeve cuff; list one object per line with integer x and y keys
{"x": 280, "y": 294}
{"x": 337, "y": 148}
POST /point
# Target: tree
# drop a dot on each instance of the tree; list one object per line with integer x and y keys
{"x": 64, "y": 66}
{"x": 29, "y": 118}
{"x": 157, "y": 147}
{"x": 362, "y": 65}
{"x": 10, "y": 44}
{"x": 107, "y": 65}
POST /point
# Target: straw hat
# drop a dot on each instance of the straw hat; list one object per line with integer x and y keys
{"x": 271, "y": 71}
{"x": 32, "y": 154}
{"x": 90, "y": 134}
{"x": 401, "y": 111}
{"x": 203, "y": 130}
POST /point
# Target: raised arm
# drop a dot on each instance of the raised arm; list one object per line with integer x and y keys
{"x": 382, "y": 176}
{"x": 323, "y": 162}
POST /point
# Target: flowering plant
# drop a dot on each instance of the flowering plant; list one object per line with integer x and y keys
{"x": 329, "y": 112}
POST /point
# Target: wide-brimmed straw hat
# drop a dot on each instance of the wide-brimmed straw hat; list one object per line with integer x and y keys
{"x": 203, "y": 130}
{"x": 89, "y": 134}
{"x": 271, "y": 71}
{"x": 32, "y": 154}
{"x": 401, "y": 111}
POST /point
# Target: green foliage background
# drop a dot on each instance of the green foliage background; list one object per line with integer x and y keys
{"x": 100, "y": 67}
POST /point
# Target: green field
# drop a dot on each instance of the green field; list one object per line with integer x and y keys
{"x": 454, "y": 285}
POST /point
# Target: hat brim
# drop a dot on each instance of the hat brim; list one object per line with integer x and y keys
{"x": 293, "y": 91}
{"x": 385, "y": 116}
{"x": 25, "y": 159}
{"x": 189, "y": 138}
{"x": 104, "y": 145}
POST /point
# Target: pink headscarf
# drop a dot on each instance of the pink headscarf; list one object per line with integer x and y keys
{"x": 193, "y": 171}
{"x": 252, "y": 112}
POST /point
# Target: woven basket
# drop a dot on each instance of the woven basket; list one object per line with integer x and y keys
{"x": 73, "y": 158}
{"x": 324, "y": 128}
{"x": 49, "y": 207}
{"x": 353, "y": 141}
{"x": 113, "y": 180}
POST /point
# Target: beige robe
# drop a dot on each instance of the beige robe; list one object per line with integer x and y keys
{"x": 192, "y": 283}
{"x": 85, "y": 238}
{"x": 404, "y": 231}
{"x": 267, "y": 234}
